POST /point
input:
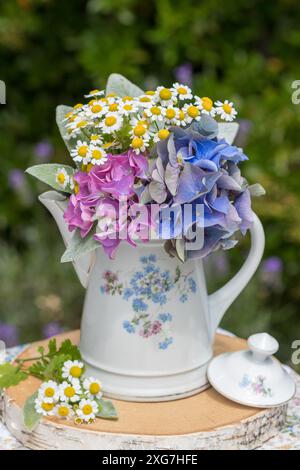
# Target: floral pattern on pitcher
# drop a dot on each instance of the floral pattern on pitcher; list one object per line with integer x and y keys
{"x": 150, "y": 287}
{"x": 256, "y": 385}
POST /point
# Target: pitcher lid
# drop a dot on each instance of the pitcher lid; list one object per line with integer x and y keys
{"x": 252, "y": 377}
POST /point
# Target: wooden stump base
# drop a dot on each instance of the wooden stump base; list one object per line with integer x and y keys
{"x": 203, "y": 421}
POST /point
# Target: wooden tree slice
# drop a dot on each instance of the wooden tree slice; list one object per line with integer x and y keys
{"x": 203, "y": 421}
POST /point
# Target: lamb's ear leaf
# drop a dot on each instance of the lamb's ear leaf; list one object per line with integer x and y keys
{"x": 30, "y": 416}
{"x": 79, "y": 247}
{"x": 46, "y": 172}
{"x": 106, "y": 409}
{"x": 228, "y": 131}
{"x": 61, "y": 112}
{"x": 118, "y": 84}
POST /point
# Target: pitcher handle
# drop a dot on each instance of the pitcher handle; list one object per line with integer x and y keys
{"x": 220, "y": 300}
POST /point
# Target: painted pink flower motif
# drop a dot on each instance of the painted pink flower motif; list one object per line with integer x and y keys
{"x": 156, "y": 327}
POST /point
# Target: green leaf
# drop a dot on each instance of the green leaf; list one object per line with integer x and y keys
{"x": 257, "y": 190}
{"x": 10, "y": 375}
{"x": 70, "y": 349}
{"x": 78, "y": 247}
{"x": 30, "y": 417}
{"x": 228, "y": 131}
{"x": 46, "y": 172}
{"x": 61, "y": 112}
{"x": 121, "y": 86}
{"x": 53, "y": 369}
{"x": 106, "y": 409}
{"x": 52, "y": 348}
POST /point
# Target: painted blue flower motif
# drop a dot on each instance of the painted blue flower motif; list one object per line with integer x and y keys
{"x": 164, "y": 317}
{"x": 183, "y": 298}
{"x": 139, "y": 305}
{"x": 147, "y": 290}
{"x": 127, "y": 325}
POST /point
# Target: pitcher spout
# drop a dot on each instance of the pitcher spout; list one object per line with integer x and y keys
{"x": 56, "y": 204}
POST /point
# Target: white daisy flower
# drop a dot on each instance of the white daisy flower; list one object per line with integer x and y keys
{"x": 94, "y": 93}
{"x": 183, "y": 92}
{"x": 206, "y": 105}
{"x": 96, "y": 139}
{"x": 96, "y": 109}
{"x": 72, "y": 370}
{"x": 128, "y": 107}
{"x": 62, "y": 177}
{"x": 171, "y": 114}
{"x": 111, "y": 123}
{"x": 93, "y": 387}
{"x": 64, "y": 410}
{"x": 226, "y": 110}
{"x": 43, "y": 407}
{"x": 166, "y": 96}
{"x": 98, "y": 156}
{"x": 139, "y": 145}
{"x": 76, "y": 125}
{"x": 192, "y": 113}
{"x": 70, "y": 391}
{"x": 140, "y": 129}
{"x": 162, "y": 134}
{"x": 81, "y": 152}
{"x": 154, "y": 113}
{"x": 87, "y": 410}
{"x": 49, "y": 392}
{"x": 144, "y": 101}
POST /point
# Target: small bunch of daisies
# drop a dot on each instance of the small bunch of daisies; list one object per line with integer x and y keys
{"x": 76, "y": 397}
{"x": 113, "y": 124}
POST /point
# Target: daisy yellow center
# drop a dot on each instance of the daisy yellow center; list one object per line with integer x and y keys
{"x": 207, "y": 103}
{"x": 150, "y": 92}
{"x": 94, "y": 388}
{"x": 76, "y": 371}
{"x": 93, "y": 92}
{"x": 104, "y": 100}
{"x": 181, "y": 115}
{"x": 91, "y": 102}
{"x": 63, "y": 411}
{"x": 81, "y": 123}
{"x": 193, "y": 112}
{"x": 111, "y": 95}
{"x": 165, "y": 94}
{"x": 127, "y": 107}
{"x": 82, "y": 150}
{"x": 137, "y": 143}
{"x": 127, "y": 98}
{"x": 61, "y": 178}
{"x": 145, "y": 99}
{"x": 108, "y": 145}
{"x": 47, "y": 406}
{"x": 155, "y": 110}
{"x": 113, "y": 107}
{"x": 227, "y": 108}
{"x": 179, "y": 158}
{"x": 94, "y": 137}
{"x": 68, "y": 114}
{"x": 89, "y": 167}
{"x": 96, "y": 108}
{"x": 170, "y": 113}
{"x": 78, "y": 106}
{"x": 69, "y": 392}
{"x": 139, "y": 130}
{"x": 97, "y": 154}
{"x": 163, "y": 134}
{"x": 76, "y": 188}
{"x": 110, "y": 121}
{"x": 181, "y": 90}
{"x": 87, "y": 409}
{"x": 49, "y": 392}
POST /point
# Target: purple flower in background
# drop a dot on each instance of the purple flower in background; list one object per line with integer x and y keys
{"x": 52, "y": 329}
{"x": 16, "y": 179}
{"x": 43, "y": 150}
{"x": 184, "y": 74}
{"x": 272, "y": 265}
{"x": 9, "y": 334}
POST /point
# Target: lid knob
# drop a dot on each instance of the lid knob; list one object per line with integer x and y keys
{"x": 262, "y": 346}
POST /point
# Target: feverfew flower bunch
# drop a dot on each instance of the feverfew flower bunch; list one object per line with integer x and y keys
{"x": 165, "y": 147}
{"x": 75, "y": 397}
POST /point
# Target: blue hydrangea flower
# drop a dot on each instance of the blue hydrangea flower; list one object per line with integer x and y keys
{"x": 128, "y": 327}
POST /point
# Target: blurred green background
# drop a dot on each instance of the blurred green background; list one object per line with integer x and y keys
{"x": 53, "y": 51}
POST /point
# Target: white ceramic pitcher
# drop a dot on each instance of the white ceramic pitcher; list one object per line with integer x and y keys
{"x": 148, "y": 323}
